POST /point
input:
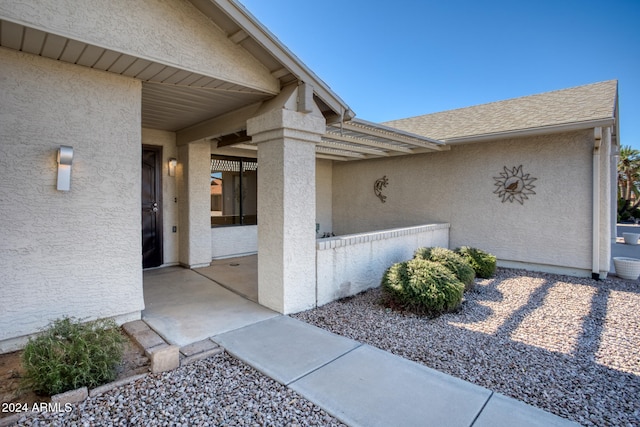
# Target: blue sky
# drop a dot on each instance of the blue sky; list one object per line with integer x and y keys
{"x": 390, "y": 60}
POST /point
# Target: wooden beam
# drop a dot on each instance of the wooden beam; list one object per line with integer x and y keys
{"x": 390, "y": 136}
{"x": 367, "y": 142}
{"x": 280, "y": 72}
{"x": 342, "y": 153}
{"x": 232, "y": 122}
{"x": 238, "y": 36}
{"x": 357, "y": 149}
{"x": 329, "y": 157}
{"x": 233, "y": 139}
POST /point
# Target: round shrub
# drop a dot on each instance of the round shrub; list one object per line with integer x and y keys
{"x": 459, "y": 266}
{"x": 423, "y": 286}
{"x": 482, "y": 262}
{"x": 70, "y": 354}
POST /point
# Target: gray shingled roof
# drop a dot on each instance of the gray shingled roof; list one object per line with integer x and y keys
{"x": 568, "y": 106}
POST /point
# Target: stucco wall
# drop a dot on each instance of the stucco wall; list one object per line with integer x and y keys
{"x": 194, "y": 204}
{"x": 167, "y": 140}
{"x": 324, "y": 176}
{"x": 552, "y": 227}
{"x": 75, "y": 253}
{"x": 172, "y": 32}
{"x": 234, "y": 241}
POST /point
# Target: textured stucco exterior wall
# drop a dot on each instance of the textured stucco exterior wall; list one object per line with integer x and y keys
{"x": 234, "y": 241}
{"x": 75, "y": 253}
{"x": 172, "y": 32}
{"x": 167, "y": 140}
{"x": 286, "y": 205}
{"x": 552, "y": 227}
{"x": 194, "y": 203}
{"x": 286, "y": 233}
{"x": 324, "y": 176}
{"x": 353, "y": 263}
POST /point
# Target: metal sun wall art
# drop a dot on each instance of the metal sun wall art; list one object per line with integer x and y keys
{"x": 378, "y": 186}
{"x": 513, "y": 184}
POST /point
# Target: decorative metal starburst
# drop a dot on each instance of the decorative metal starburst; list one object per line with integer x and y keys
{"x": 513, "y": 184}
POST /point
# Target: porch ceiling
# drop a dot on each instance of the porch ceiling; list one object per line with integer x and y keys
{"x": 172, "y": 98}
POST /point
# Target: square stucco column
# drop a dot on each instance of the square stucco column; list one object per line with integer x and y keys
{"x": 194, "y": 204}
{"x": 286, "y": 207}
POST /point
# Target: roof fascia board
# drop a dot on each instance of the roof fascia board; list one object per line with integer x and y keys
{"x": 566, "y": 127}
{"x": 268, "y": 41}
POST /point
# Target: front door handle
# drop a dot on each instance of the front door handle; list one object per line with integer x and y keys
{"x": 155, "y": 207}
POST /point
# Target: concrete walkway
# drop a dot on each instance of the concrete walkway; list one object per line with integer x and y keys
{"x": 364, "y": 386}
{"x": 356, "y": 383}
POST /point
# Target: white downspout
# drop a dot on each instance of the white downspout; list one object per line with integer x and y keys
{"x": 595, "y": 232}
{"x": 615, "y": 157}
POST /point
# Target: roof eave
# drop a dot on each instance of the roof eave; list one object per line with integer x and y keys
{"x": 268, "y": 41}
{"x": 542, "y": 130}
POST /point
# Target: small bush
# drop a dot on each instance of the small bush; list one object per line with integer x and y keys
{"x": 423, "y": 286}
{"x": 482, "y": 262}
{"x": 459, "y": 266}
{"x": 69, "y": 355}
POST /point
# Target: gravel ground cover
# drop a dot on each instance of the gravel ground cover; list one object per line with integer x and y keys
{"x": 568, "y": 345}
{"x": 218, "y": 391}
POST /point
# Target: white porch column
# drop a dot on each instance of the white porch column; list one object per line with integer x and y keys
{"x": 194, "y": 204}
{"x": 286, "y": 207}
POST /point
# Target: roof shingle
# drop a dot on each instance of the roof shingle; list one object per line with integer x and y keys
{"x": 579, "y": 104}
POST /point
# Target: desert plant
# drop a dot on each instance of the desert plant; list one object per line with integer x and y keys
{"x": 482, "y": 262}
{"x": 70, "y": 354}
{"x": 423, "y": 286}
{"x": 459, "y": 266}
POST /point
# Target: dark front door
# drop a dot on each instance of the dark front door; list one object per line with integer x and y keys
{"x": 151, "y": 206}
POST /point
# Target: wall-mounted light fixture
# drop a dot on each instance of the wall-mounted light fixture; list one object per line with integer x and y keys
{"x": 65, "y": 159}
{"x": 172, "y": 166}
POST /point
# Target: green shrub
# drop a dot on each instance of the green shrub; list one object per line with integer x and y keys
{"x": 423, "y": 286}
{"x": 70, "y": 354}
{"x": 482, "y": 262}
{"x": 459, "y": 266}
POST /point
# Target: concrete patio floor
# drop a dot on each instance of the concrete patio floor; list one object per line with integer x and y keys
{"x": 358, "y": 384}
{"x": 184, "y": 307}
{"x": 239, "y": 275}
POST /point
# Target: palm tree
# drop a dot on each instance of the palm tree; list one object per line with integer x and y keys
{"x": 628, "y": 181}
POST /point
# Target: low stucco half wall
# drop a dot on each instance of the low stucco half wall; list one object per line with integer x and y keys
{"x": 234, "y": 241}
{"x": 353, "y": 263}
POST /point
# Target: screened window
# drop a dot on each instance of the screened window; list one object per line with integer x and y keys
{"x": 234, "y": 195}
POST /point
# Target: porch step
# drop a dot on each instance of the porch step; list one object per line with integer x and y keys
{"x": 198, "y": 351}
